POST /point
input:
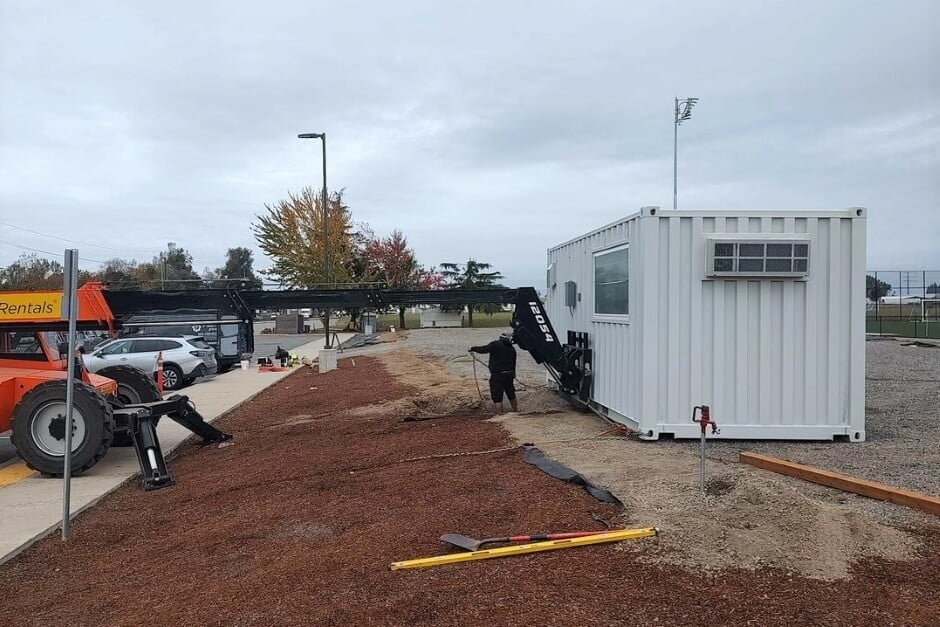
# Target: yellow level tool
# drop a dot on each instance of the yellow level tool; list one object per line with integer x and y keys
{"x": 522, "y": 549}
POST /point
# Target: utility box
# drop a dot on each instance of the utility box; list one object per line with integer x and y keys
{"x": 289, "y": 324}
{"x": 759, "y": 315}
{"x": 434, "y": 317}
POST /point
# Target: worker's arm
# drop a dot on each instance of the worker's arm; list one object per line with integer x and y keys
{"x": 480, "y": 349}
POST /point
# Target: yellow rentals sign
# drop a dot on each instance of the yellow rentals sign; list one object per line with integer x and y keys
{"x": 30, "y": 306}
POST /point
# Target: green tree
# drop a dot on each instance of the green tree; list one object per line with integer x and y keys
{"x": 473, "y": 275}
{"x": 934, "y": 289}
{"x": 118, "y": 273}
{"x": 875, "y": 288}
{"x": 176, "y": 267}
{"x": 32, "y": 272}
{"x": 239, "y": 263}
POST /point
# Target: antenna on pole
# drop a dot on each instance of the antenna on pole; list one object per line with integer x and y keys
{"x": 682, "y": 112}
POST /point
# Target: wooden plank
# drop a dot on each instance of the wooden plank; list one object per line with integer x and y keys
{"x": 871, "y": 489}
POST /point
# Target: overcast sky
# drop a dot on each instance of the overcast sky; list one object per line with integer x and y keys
{"x": 484, "y": 129}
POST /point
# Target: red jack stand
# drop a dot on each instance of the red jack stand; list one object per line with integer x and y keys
{"x": 704, "y": 421}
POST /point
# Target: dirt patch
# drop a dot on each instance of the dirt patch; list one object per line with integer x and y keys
{"x": 747, "y": 518}
{"x": 436, "y": 391}
{"x": 297, "y": 525}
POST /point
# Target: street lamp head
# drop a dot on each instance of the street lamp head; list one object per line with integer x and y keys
{"x": 311, "y": 136}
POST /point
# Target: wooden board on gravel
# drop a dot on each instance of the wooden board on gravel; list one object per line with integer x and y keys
{"x": 298, "y": 521}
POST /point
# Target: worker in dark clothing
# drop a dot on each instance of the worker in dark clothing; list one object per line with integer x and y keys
{"x": 502, "y": 365}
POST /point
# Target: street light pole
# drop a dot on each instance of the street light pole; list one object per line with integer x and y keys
{"x": 679, "y": 118}
{"x": 326, "y": 229}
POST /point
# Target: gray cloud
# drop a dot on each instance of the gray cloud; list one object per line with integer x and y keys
{"x": 486, "y": 129}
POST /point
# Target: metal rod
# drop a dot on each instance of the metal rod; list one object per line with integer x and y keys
{"x": 701, "y": 481}
{"x": 71, "y": 296}
{"x": 675, "y": 158}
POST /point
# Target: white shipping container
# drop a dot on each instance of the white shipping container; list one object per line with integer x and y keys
{"x": 758, "y": 315}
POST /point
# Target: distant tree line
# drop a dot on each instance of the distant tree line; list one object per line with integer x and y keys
{"x": 170, "y": 270}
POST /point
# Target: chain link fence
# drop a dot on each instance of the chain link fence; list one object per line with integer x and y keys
{"x": 905, "y": 303}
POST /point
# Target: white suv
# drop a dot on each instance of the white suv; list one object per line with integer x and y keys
{"x": 184, "y": 357}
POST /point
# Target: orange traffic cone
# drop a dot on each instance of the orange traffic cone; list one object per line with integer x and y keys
{"x": 160, "y": 372}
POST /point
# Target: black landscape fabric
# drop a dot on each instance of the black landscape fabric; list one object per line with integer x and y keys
{"x": 532, "y": 455}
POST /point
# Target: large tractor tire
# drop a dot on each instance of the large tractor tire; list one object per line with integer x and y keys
{"x": 134, "y": 386}
{"x": 39, "y": 427}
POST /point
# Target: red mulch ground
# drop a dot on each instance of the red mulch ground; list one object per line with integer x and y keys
{"x": 296, "y": 524}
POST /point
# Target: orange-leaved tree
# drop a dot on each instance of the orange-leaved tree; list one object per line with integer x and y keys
{"x": 394, "y": 262}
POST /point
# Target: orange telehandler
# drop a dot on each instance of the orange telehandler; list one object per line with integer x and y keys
{"x": 119, "y": 405}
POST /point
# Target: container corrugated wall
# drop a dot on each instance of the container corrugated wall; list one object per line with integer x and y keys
{"x": 774, "y": 358}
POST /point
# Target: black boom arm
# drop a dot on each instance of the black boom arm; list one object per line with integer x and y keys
{"x": 568, "y": 364}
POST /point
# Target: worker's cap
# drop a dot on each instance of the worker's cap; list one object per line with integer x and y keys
{"x": 506, "y": 335}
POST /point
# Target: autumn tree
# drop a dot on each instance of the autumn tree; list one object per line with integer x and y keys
{"x": 473, "y": 275}
{"x": 394, "y": 262}
{"x": 290, "y": 232}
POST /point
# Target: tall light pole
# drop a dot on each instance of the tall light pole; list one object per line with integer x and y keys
{"x": 678, "y": 119}
{"x": 326, "y": 229}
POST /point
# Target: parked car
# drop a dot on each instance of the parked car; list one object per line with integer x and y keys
{"x": 185, "y": 358}
{"x": 231, "y": 339}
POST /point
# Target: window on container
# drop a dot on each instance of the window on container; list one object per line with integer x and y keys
{"x": 612, "y": 282}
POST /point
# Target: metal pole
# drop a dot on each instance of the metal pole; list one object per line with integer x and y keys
{"x": 70, "y": 302}
{"x": 675, "y": 158}
{"x": 701, "y": 481}
{"x": 326, "y": 239}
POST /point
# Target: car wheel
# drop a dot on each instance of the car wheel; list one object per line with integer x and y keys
{"x": 172, "y": 377}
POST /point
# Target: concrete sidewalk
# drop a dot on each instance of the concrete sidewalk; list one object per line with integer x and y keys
{"x": 31, "y": 507}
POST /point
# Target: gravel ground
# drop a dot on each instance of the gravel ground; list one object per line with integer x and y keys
{"x": 902, "y": 424}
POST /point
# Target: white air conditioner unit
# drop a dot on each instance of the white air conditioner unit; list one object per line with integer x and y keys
{"x": 783, "y": 255}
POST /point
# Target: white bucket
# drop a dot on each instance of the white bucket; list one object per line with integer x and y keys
{"x": 245, "y": 363}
